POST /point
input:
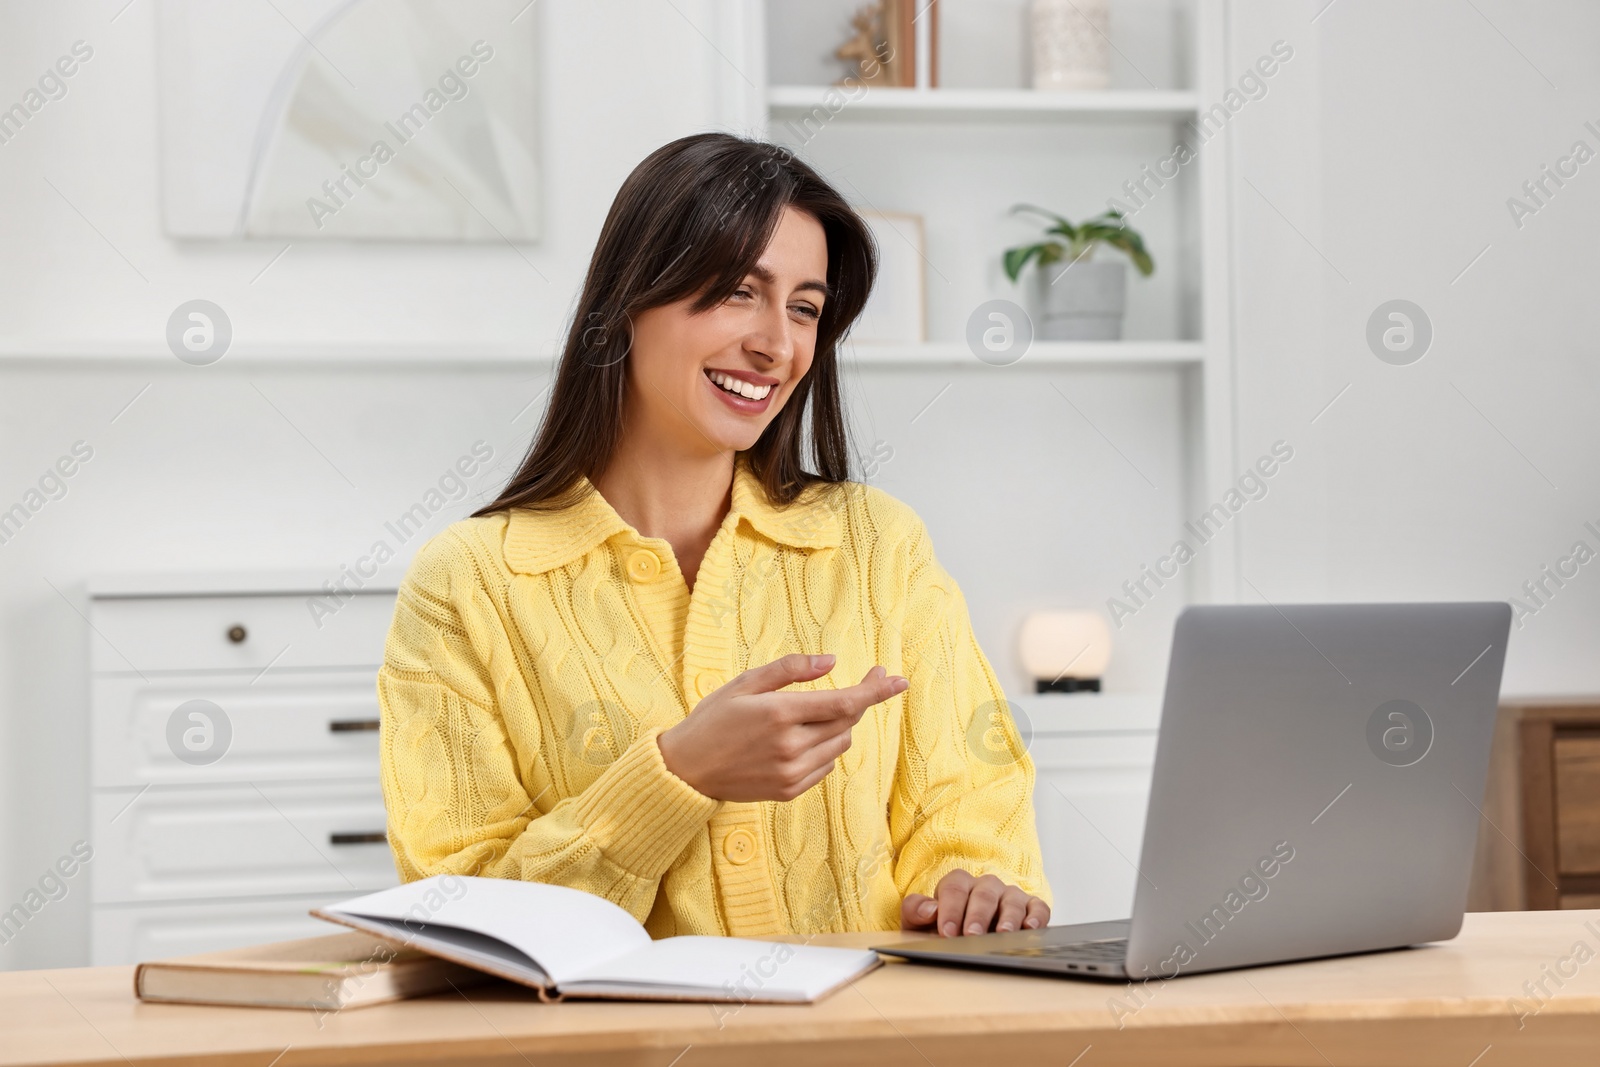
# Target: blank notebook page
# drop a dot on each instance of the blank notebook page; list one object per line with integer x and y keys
{"x": 567, "y": 931}
{"x": 737, "y": 966}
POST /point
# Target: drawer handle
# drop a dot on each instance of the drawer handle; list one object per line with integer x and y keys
{"x": 237, "y": 634}
{"x": 377, "y": 838}
{"x": 346, "y": 726}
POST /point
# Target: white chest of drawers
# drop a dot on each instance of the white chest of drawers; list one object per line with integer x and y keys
{"x": 234, "y": 759}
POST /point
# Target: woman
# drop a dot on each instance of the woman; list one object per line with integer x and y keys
{"x": 632, "y": 673}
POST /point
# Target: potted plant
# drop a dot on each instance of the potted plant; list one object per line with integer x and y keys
{"x": 1076, "y": 299}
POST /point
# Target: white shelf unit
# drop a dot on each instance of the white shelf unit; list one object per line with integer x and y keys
{"x": 1171, "y": 355}
{"x": 1203, "y": 360}
{"x": 1093, "y": 752}
{"x": 788, "y": 101}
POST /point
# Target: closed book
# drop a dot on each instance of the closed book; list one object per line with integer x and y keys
{"x": 345, "y": 970}
{"x": 565, "y": 943}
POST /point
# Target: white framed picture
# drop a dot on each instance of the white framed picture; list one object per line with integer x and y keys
{"x": 350, "y": 119}
{"x": 895, "y": 312}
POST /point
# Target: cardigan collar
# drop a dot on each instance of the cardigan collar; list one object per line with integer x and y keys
{"x": 539, "y": 541}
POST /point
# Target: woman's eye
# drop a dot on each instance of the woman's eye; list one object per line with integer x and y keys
{"x": 743, "y": 293}
{"x": 807, "y": 311}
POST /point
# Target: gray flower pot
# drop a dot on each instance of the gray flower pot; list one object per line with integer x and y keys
{"x": 1080, "y": 301}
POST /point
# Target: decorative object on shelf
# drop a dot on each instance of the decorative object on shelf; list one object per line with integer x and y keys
{"x": 866, "y": 50}
{"x": 883, "y": 50}
{"x": 1075, "y": 299}
{"x": 1071, "y": 44}
{"x": 895, "y": 310}
{"x": 1065, "y": 651}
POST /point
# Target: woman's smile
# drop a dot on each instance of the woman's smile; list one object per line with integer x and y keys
{"x": 743, "y": 391}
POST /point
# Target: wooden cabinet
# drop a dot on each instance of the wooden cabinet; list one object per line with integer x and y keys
{"x": 1539, "y": 842}
{"x": 1560, "y": 772}
{"x": 1576, "y": 758}
{"x": 233, "y": 760}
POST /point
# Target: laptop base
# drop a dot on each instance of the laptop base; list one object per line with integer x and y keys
{"x": 1077, "y": 950}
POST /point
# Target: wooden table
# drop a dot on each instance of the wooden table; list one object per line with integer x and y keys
{"x": 1449, "y": 1004}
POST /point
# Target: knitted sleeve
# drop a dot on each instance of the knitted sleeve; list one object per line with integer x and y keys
{"x": 453, "y": 787}
{"x": 963, "y": 791}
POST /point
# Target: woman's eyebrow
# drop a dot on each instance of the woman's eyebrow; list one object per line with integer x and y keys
{"x": 767, "y": 277}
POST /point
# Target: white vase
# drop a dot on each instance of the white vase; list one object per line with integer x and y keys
{"x": 1071, "y": 44}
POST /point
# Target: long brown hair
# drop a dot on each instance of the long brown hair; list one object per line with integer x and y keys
{"x": 691, "y": 221}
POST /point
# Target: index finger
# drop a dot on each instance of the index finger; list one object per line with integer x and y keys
{"x": 785, "y": 670}
{"x": 832, "y": 705}
{"x": 952, "y": 893}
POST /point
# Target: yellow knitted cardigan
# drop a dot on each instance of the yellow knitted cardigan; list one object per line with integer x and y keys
{"x": 534, "y": 657}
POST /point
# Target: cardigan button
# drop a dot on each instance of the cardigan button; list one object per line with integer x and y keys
{"x": 739, "y": 846}
{"x": 644, "y": 566}
{"x": 707, "y": 682}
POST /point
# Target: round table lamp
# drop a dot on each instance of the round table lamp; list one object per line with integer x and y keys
{"x": 1065, "y": 651}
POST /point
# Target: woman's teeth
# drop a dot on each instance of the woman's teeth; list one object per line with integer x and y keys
{"x": 739, "y": 387}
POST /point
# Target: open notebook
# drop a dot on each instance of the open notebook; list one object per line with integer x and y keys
{"x": 568, "y": 943}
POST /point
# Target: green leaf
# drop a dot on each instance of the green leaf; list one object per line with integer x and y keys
{"x": 1133, "y": 244}
{"x": 1135, "y": 250}
{"x": 1121, "y": 237}
{"x": 1017, "y": 258}
{"x": 1099, "y": 231}
{"x": 1062, "y": 226}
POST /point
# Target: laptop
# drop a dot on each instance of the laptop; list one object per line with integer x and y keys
{"x": 1316, "y": 790}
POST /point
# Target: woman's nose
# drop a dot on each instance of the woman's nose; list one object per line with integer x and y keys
{"x": 769, "y": 335}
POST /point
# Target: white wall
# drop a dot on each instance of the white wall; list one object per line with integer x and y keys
{"x": 1392, "y": 143}
{"x": 615, "y": 86}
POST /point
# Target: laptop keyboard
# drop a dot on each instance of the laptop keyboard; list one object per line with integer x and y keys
{"x": 1111, "y": 951}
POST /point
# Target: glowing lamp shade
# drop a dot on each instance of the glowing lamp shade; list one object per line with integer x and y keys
{"x": 1065, "y": 651}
